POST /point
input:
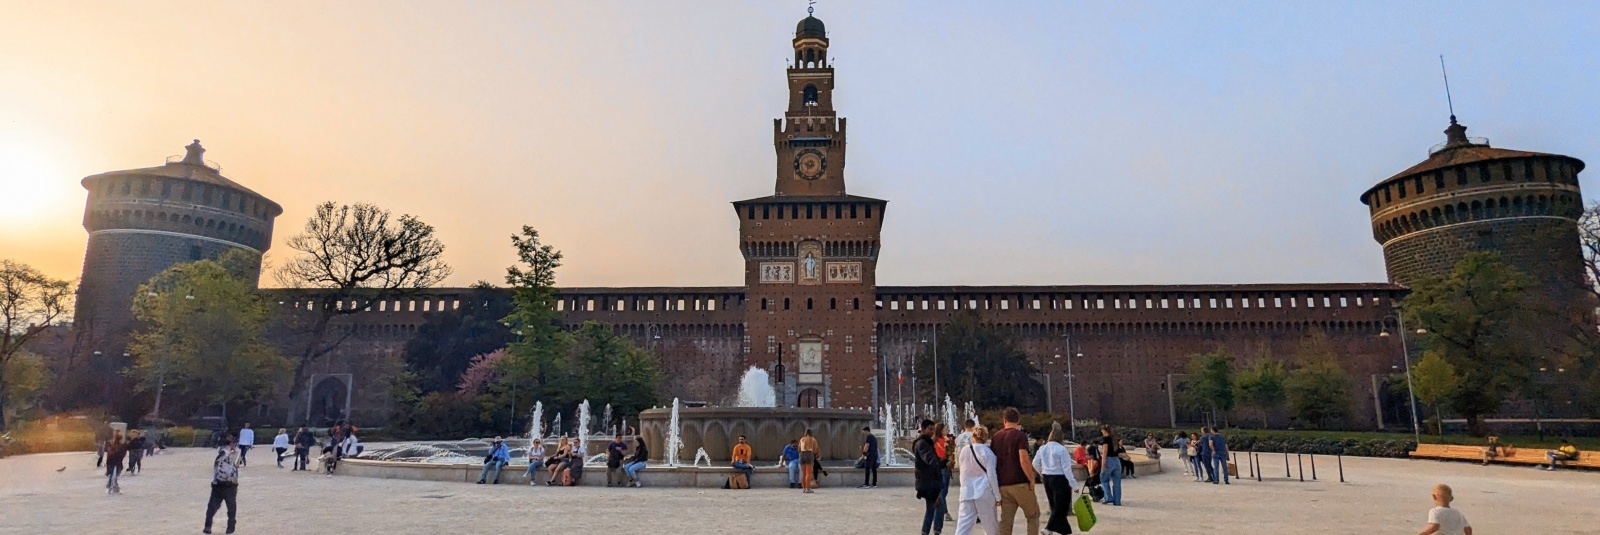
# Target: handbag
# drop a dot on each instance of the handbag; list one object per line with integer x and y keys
{"x": 862, "y": 462}
{"x": 1083, "y": 509}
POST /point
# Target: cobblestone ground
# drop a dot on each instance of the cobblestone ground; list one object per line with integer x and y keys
{"x": 1383, "y": 496}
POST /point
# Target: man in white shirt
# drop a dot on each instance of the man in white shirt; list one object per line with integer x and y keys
{"x": 247, "y": 440}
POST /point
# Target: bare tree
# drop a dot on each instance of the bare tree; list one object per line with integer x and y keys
{"x": 1589, "y": 238}
{"x": 356, "y": 256}
{"x": 29, "y": 303}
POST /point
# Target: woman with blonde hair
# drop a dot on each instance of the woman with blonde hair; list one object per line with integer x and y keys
{"x": 555, "y": 463}
{"x": 1055, "y": 464}
{"x": 980, "y": 489}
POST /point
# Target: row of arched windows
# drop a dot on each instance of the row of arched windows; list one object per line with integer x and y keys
{"x": 186, "y": 191}
{"x": 185, "y": 223}
{"x": 1551, "y": 170}
{"x": 1560, "y": 205}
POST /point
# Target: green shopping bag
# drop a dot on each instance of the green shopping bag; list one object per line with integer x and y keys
{"x": 1083, "y": 508}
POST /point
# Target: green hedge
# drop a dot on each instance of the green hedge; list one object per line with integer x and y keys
{"x": 1271, "y": 442}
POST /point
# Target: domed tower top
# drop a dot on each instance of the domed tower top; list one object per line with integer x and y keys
{"x": 810, "y": 26}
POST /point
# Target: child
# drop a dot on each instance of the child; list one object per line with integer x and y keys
{"x": 1442, "y": 520}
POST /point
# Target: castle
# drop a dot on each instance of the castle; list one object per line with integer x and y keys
{"x": 811, "y": 309}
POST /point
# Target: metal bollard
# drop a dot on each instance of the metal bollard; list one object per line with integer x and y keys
{"x": 1341, "y": 468}
{"x": 1258, "y": 472}
{"x": 1299, "y": 461}
{"x": 1313, "y": 467}
{"x": 1250, "y": 458}
{"x": 1286, "y": 474}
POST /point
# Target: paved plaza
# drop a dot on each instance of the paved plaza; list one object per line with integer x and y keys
{"x": 1383, "y": 496}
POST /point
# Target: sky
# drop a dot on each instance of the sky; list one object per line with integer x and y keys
{"x": 1053, "y": 143}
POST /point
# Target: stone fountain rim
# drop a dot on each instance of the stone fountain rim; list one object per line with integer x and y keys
{"x": 755, "y": 412}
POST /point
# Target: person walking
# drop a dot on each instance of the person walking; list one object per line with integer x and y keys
{"x": 280, "y": 444}
{"x": 1219, "y": 457}
{"x": 869, "y": 459}
{"x": 116, "y": 452}
{"x": 1111, "y": 475}
{"x": 1055, "y": 464}
{"x": 102, "y": 436}
{"x": 303, "y": 441}
{"x": 810, "y": 453}
{"x": 1442, "y": 519}
{"x": 791, "y": 460}
{"x": 1015, "y": 472}
{"x": 928, "y": 464}
{"x": 224, "y": 483}
{"x": 942, "y": 445}
{"x": 1181, "y": 442}
{"x": 1205, "y": 454}
{"x": 497, "y": 459}
{"x": 741, "y": 460}
{"x": 641, "y": 455}
{"x": 247, "y": 440}
{"x": 980, "y": 490}
{"x": 965, "y": 437}
{"x": 136, "y": 446}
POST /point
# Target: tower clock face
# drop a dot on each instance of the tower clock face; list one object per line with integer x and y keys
{"x": 810, "y": 164}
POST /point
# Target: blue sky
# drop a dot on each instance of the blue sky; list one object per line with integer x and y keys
{"x": 1017, "y": 143}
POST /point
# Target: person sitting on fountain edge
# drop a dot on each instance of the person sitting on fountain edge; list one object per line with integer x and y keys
{"x": 615, "y": 451}
{"x": 791, "y": 460}
{"x": 535, "y": 461}
{"x": 497, "y": 458}
{"x": 741, "y": 459}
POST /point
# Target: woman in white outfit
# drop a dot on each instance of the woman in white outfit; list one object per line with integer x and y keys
{"x": 980, "y": 490}
{"x": 1054, "y": 463}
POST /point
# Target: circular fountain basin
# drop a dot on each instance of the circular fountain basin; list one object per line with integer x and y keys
{"x": 768, "y": 429}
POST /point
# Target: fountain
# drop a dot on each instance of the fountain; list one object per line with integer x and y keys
{"x": 536, "y": 422}
{"x": 605, "y": 421}
{"x": 699, "y": 455}
{"x": 674, "y": 442}
{"x": 888, "y": 437}
{"x": 755, "y": 390}
{"x": 583, "y": 425}
{"x": 767, "y": 426}
{"x": 950, "y": 416}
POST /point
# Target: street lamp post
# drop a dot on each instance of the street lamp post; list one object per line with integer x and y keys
{"x": 1411, "y": 390}
{"x": 1072, "y": 401}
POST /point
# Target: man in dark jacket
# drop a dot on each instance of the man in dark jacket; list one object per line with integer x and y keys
{"x": 303, "y": 440}
{"x": 929, "y": 478}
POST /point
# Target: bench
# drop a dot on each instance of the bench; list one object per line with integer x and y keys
{"x": 1509, "y": 455}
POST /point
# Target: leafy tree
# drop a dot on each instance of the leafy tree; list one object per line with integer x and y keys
{"x": 1260, "y": 386}
{"x": 538, "y": 357}
{"x": 1435, "y": 383}
{"x": 982, "y": 363}
{"x": 356, "y": 256}
{"x": 443, "y": 345}
{"x": 1476, "y": 319}
{"x": 27, "y": 377}
{"x": 205, "y": 335}
{"x": 29, "y": 303}
{"x": 608, "y": 366}
{"x": 1318, "y": 392}
{"x": 1210, "y": 383}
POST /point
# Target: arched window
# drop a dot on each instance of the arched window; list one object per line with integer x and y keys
{"x": 809, "y": 95}
{"x": 808, "y": 303}
{"x": 810, "y": 398}
{"x": 786, "y": 303}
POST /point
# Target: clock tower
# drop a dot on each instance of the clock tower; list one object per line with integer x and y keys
{"x": 811, "y": 251}
{"x": 810, "y": 136}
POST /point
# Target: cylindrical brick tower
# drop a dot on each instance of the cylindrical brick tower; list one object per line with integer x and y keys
{"x": 142, "y": 221}
{"x": 1468, "y": 196}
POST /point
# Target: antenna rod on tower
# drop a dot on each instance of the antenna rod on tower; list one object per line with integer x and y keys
{"x": 1448, "y": 101}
